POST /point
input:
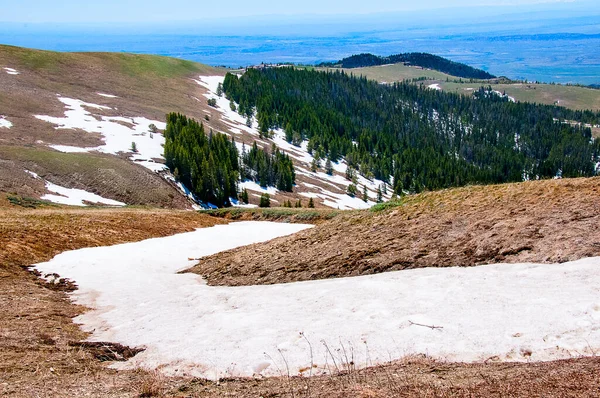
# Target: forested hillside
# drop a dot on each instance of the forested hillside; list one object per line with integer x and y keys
{"x": 211, "y": 166}
{"x": 423, "y": 60}
{"x": 425, "y": 139}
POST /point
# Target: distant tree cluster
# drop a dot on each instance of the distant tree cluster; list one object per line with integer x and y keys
{"x": 424, "y": 60}
{"x": 425, "y": 139}
{"x": 211, "y": 167}
{"x": 206, "y": 164}
{"x": 268, "y": 169}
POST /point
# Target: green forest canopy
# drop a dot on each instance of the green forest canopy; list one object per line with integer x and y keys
{"x": 425, "y": 139}
{"x": 424, "y": 60}
{"x": 210, "y": 165}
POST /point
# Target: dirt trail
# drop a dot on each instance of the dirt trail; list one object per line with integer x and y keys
{"x": 542, "y": 221}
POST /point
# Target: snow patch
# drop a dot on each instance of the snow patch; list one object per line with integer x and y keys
{"x": 72, "y": 196}
{"x": 107, "y": 95}
{"x": 5, "y": 123}
{"x": 11, "y": 71}
{"x": 118, "y": 132}
{"x": 253, "y": 186}
{"x": 515, "y": 312}
{"x": 435, "y": 86}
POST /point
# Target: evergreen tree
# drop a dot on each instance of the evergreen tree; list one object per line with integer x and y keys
{"x": 265, "y": 200}
{"x": 328, "y": 167}
{"x": 441, "y": 140}
{"x": 351, "y": 190}
{"x": 311, "y": 203}
{"x": 244, "y": 196}
{"x": 299, "y": 203}
{"x": 365, "y": 195}
{"x": 379, "y": 195}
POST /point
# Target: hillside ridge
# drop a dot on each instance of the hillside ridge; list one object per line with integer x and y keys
{"x": 423, "y": 60}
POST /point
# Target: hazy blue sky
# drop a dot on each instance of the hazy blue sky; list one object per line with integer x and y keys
{"x": 76, "y": 11}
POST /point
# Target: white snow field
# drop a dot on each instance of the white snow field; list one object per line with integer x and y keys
{"x": 118, "y": 132}
{"x": 5, "y": 123}
{"x": 72, "y": 196}
{"x": 508, "y": 312}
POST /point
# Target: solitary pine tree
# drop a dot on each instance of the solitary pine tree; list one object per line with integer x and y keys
{"x": 311, "y": 203}
{"x": 329, "y": 167}
{"x": 265, "y": 200}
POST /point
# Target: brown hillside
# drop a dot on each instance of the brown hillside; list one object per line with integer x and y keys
{"x": 542, "y": 221}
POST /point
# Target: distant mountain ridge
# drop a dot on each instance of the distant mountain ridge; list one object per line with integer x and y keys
{"x": 423, "y": 60}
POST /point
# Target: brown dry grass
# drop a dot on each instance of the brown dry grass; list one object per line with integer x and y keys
{"x": 421, "y": 377}
{"x": 36, "y": 327}
{"x": 36, "y": 324}
{"x": 541, "y": 221}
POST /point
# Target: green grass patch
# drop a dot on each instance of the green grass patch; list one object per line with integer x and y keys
{"x": 29, "y": 203}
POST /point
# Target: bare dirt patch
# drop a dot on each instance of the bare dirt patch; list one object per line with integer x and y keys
{"x": 542, "y": 221}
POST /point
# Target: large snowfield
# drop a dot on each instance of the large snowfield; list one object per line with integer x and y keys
{"x": 508, "y": 312}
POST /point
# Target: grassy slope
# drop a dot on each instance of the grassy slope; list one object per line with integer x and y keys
{"x": 539, "y": 221}
{"x": 395, "y": 73}
{"x": 148, "y": 86}
{"x": 569, "y": 96}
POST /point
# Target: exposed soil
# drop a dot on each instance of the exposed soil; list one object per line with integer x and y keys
{"x": 543, "y": 221}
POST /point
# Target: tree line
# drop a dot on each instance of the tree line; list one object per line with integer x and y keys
{"x": 425, "y": 139}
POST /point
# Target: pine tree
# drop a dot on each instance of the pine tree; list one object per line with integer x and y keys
{"x": 244, "y": 196}
{"x": 365, "y": 195}
{"x": 329, "y": 167}
{"x": 351, "y": 190}
{"x": 299, "y": 203}
{"x": 379, "y": 195}
{"x": 311, "y": 203}
{"x": 265, "y": 200}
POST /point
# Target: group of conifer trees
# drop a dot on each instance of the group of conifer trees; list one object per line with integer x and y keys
{"x": 268, "y": 169}
{"x": 210, "y": 165}
{"x": 425, "y": 139}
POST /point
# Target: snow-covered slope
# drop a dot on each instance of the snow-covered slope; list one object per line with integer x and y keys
{"x": 512, "y": 312}
{"x": 330, "y": 190}
{"x": 120, "y": 133}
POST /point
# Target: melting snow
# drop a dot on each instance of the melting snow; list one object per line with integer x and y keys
{"x": 435, "y": 86}
{"x": 107, "y": 95}
{"x": 5, "y": 123}
{"x": 337, "y": 182}
{"x": 118, "y": 132}
{"x": 516, "y": 312}
{"x": 71, "y": 196}
{"x": 11, "y": 71}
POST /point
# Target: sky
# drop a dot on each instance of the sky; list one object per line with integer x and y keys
{"x": 145, "y": 11}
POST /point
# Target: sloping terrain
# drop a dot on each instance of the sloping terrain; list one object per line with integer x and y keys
{"x": 573, "y": 97}
{"x": 540, "y": 221}
{"x": 65, "y": 107}
{"x": 115, "y": 85}
{"x": 41, "y": 356}
{"x": 39, "y": 351}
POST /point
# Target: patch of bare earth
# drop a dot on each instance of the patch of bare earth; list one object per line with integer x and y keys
{"x": 543, "y": 221}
